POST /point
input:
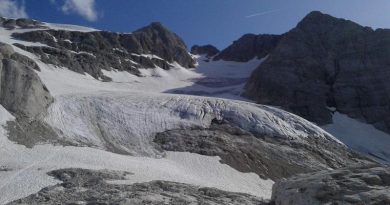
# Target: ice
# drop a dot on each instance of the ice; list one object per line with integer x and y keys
{"x": 361, "y": 137}
{"x": 224, "y": 79}
{"x": 68, "y": 27}
{"x": 29, "y": 167}
{"x": 129, "y": 111}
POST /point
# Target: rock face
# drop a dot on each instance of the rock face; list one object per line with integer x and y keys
{"x": 266, "y": 156}
{"x": 207, "y": 50}
{"x": 21, "y": 91}
{"x": 248, "y": 47}
{"x": 364, "y": 185}
{"x": 158, "y": 40}
{"x": 91, "y": 52}
{"x": 21, "y": 23}
{"x": 328, "y": 62}
{"x": 91, "y": 187}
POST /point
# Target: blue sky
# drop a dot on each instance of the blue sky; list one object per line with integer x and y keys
{"x": 217, "y": 22}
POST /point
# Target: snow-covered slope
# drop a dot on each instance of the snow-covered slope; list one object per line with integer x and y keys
{"x": 123, "y": 115}
{"x": 361, "y": 137}
{"x": 224, "y": 79}
{"x": 27, "y": 168}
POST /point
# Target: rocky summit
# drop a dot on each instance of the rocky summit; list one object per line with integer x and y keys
{"x": 208, "y": 50}
{"x": 327, "y": 64}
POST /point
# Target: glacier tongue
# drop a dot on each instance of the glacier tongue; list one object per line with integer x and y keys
{"x": 127, "y": 122}
{"x": 26, "y": 169}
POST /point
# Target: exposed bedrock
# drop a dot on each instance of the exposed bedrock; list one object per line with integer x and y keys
{"x": 20, "y": 23}
{"x": 21, "y": 91}
{"x": 328, "y": 62}
{"x": 80, "y": 186}
{"x": 90, "y": 52}
{"x": 248, "y": 47}
{"x": 207, "y": 50}
{"x": 266, "y": 156}
{"x": 359, "y": 185}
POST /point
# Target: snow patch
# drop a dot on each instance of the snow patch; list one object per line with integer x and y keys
{"x": 68, "y": 27}
{"x": 361, "y": 137}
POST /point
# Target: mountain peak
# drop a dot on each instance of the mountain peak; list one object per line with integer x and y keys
{"x": 208, "y": 50}
{"x": 154, "y": 26}
{"x": 322, "y": 21}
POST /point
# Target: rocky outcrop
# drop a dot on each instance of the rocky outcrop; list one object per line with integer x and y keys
{"x": 248, "y": 47}
{"x": 207, "y": 50}
{"x": 21, "y": 91}
{"x": 327, "y": 62}
{"x": 90, "y": 52}
{"x": 158, "y": 40}
{"x": 363, "y": 185}
{"x": 80, "y": 186}
{"x": 266, "y": 156}
{"x": 20, "y": 23}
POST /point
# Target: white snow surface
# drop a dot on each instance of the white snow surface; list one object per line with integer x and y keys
{"x": 68, "y": 27}
{"x": 128, "y": 111}
{"x": 28, "y": 168}
{"x": 361, "y": 137}
{"x": 224, "y": 79}
{"x": 5, "y": 37}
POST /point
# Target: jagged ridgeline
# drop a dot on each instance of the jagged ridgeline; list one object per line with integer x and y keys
{"x": 70, "y": 138}
{"x": 90, "y": 52}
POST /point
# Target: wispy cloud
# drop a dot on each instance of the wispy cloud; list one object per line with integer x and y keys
{"x": 262, "y": 13}
{"x": 83, "y": 8}
{"x": 12, "y": 9}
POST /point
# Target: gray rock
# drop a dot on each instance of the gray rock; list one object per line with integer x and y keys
{"x": 208, "y": 50}
{"x": 30, "y": 132}
{"x": 264, "y": 155}
{"x": 91, "y": 187}
{"x": 91, "y": 52}
{"x": 248, "y": 47}
{"x": 21, "y": 23}
{"x": 327, "y": 62}
{"x": 9, "y": 23}
{"x": 357, "y": 185}
{"x": 158, "y": 40}
{"x": 21, "y": 91}
{"x": 29, "y": 23}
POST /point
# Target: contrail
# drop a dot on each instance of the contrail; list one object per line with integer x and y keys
{"x": 262, "y": 13}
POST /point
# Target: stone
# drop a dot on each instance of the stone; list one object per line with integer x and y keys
{"x": 81, "y": 186}
{"x": 342, "y": 186}
{"x": 91, "y": 52}
{"x": 268, "y": 157}
{"x": 207, "y": 50}
{"x": 327, "y": 62}
{"x": 21, "y": 90}
{"x": 248, "y": 47}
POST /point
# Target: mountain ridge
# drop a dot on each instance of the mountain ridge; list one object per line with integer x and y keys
{"x": 106, "y": 120}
